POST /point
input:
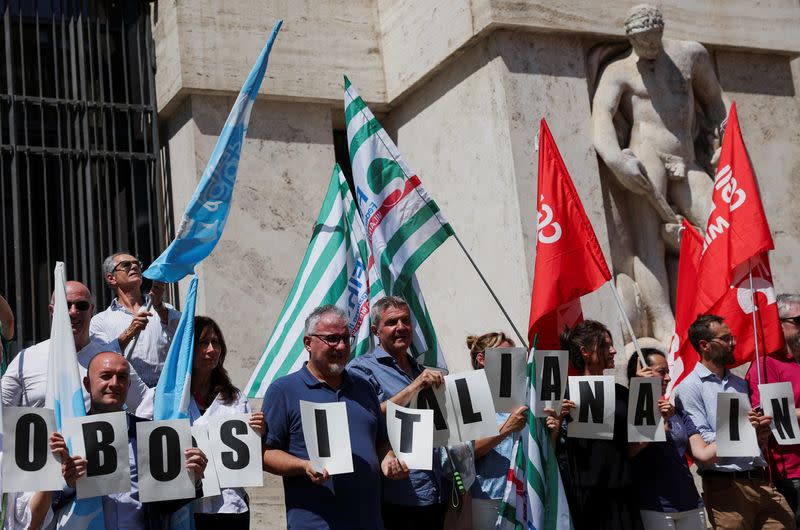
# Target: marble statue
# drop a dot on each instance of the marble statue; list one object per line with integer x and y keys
{"x": 648, "y": 109}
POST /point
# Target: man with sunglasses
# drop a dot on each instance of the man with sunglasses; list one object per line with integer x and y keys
{"x": 315, "y": 499}
{"x": 784, "y": 365}
{"x": 25, "y": 380}
{"x": 149, "y": 333}
{"x": 737, "y": 491}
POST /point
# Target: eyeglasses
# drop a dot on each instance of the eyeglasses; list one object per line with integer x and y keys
{"x": 793, "y": 320}
{"x": 333, "y": 340}
{"x": 126, "y": 265}
{"x": 727, "y": 339}
{"x": 80, "y": 305}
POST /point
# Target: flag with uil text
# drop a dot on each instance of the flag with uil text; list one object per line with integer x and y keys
{"x": 534, "y": 497}
{"x": 333, "y": 271}
{"x": 64, "y": 395}
{"x": 402, "y": 222}
{"x": 207, "y": 212}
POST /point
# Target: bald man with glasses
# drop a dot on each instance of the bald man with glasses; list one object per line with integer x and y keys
{"x": 784, "y": 365}
{"x": 143, "y": 335}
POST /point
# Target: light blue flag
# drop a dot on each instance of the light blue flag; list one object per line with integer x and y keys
{"x": 64, "y": 395}
{"x": 173, "y": 390}
{"x": 207, "y": 211}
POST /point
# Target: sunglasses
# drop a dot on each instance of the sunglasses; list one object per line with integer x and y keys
{"x": 81, "y": 305}
{"x": 793, "y": 320}
{"x": 333, "y": 340}
{"x": 126, "y": 265}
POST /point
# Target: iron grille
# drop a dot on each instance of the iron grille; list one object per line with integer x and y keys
{"x": 80, "y": 169}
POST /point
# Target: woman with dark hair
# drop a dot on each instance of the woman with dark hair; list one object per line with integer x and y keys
{"x": 597, "y": 474}
{"x": 213, "y": 393}
{"x": 668, "y": 497}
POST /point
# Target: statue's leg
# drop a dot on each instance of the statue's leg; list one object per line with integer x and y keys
{"x": 649, "y": 265}
{"x": 692, "y": 196}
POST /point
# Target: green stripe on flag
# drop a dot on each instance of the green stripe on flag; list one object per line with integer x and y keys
{"x": 420, "y": 255}
{"x": 362, "y": 135}
{"x": 423, "y": 320}
{"x": 355, "y": 106}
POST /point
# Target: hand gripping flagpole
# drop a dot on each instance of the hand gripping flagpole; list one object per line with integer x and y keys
{"x": 135, "y": 339}
{"x": 755, "y": 328}
{"x": 627, "y": 321}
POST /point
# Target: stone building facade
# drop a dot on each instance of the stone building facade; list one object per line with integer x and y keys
{"x": 461, "y": 85}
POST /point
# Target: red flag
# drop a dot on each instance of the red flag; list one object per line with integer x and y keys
{"x": 569, "y": 262}
{"x": 682, "y": 356}
{"x": 736, "y": 242}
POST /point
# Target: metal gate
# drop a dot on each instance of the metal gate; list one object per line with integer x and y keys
{"x": 80, "y": 175}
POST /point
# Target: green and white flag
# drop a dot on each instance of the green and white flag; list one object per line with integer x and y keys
{"x": 332, "y": 272}
{"x": 403, "y": 225}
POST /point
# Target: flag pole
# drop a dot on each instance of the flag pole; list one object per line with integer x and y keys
{"x": 491, "y": 291}
{"x": 627, "y": 323}
{"x": 755, "y": 308}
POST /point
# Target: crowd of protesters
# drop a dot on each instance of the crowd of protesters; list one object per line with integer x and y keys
{"x": 610, "y": 484}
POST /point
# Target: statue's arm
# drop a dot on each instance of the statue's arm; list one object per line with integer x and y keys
{"x": 707, "y": 88}
{"x": 628, "y": 170}
{"x": 604, "y": 106}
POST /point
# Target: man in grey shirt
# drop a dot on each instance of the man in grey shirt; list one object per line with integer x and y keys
{"x": 737, "y": 491}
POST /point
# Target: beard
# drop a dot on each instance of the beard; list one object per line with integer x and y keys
{"x": 335, "y": 368}
{"x": 793, "y": 343}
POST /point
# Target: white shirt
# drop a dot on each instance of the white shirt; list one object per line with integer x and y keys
{"x": 151, "y": 347}
{"x": 232, "y": 500}
{"x": 25, "y": 380}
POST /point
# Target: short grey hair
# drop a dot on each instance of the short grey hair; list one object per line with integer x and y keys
{"x": 643, "y": 17}
{"x": 376, "y": 313}
{"x": 786, "y": 302}
{"x": 316, "y": 315}
{"x": 108, "y": 263}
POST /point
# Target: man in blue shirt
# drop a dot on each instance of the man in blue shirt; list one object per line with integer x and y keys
{"x": 396, "y": 376}
{"x": 737, "y": 491}
{"x": 315, "y": 499}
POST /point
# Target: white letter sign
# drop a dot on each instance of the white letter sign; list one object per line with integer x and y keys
{"x": 594, "y": 398}
{"x": 210, "y": 482}
{"x": 102, "y": 439}
{"x": 505, "y": 370}
{"x": 735, "y": 435}
{"x": 160, "y": 446}
{"x": 473, "y": 407}
{"x": 411, "y": 435}
{"x": 28, "y": 464}
{"x": 437, "y": 400}
{"x": 645, "y": 422}
{"x": 237, "y": 450}
{"x": 777, "y": 400}
{"x": 327, "y": 435}
{"x": 551, "y": 380}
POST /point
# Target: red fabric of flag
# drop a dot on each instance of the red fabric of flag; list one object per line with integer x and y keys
{"x": 569, "y": 262}
{"x": 682, "y": 356}
{"x": 736, "y": 242}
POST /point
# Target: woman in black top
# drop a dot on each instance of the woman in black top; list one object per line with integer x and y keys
{"x": 597, "y": 474}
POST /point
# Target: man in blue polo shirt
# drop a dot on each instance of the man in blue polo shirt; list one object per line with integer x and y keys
{"x": 396, "y": 376}
{"x": 314, "y": 499}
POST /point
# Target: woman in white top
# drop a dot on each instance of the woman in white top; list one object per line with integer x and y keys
{"x": 214, "y": 394}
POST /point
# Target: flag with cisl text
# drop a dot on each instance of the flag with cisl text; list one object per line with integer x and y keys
{"x": 735, "y": 247}
{"x": 65, "y": 397}
{"x": 402, "y": 222}
{"x": 207, "y": 211}
{"x": 682, "y": 356}
{"x": 569, "y": 262}
{"x": 333, "y": 271}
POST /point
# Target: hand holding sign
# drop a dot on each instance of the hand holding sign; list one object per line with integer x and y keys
{"x": 393, "y": 468}
{"x": 72, "y": 467}
{"x": 257, "y": 423}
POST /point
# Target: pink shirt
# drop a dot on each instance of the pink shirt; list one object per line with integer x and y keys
{"x": 784, "y": 460}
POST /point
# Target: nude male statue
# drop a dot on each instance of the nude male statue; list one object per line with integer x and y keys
{"x": 656, "y": 88}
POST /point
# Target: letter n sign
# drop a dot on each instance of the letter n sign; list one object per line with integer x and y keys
{"x": 778, "y": 401}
